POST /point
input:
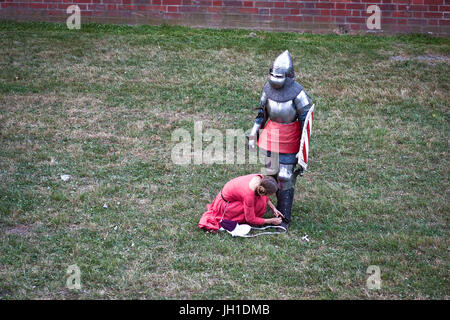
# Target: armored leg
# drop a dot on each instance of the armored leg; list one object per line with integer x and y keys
{"x": 285, "y": 195}
{"x": 286, "y": 177}
{"x": 272, "y": 166}
{"x": 284, "y": 205}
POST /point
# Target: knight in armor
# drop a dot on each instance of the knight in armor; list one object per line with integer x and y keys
{"x": 283, "y": 107}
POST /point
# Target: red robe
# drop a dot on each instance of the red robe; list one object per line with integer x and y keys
{"x": 244, "y": 205}
{"x": 285, "y": 137}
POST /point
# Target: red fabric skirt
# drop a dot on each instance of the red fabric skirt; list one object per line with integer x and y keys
{"x": 287, "y": 139}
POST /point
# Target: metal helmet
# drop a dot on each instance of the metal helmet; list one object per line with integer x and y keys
{"x": 282, "y": 68}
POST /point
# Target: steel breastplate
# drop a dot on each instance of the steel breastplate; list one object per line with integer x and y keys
{"x": 281, "y": 112}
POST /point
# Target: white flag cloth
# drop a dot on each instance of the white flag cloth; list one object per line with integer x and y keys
{"x": 304, "y": 142}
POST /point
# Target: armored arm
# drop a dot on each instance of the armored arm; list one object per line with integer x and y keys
{"x": 259, "y": 122}
{"x": 302, "y": 104}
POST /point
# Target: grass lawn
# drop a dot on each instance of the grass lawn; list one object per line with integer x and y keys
{"x": 101, "y": 103}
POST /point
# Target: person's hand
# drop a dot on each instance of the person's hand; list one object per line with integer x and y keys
{"x": 277, "y": 213}
{"x": 275, "y": 221}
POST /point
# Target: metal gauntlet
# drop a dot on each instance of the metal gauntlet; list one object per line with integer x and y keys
{"x": 253, "y": 136}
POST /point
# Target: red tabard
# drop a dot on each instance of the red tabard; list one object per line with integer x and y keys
{"x": 287, "y": 139}
{"x": 244, "y": 205}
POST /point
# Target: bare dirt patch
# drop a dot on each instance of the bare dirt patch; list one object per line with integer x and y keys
{"x": 21, "y": 230}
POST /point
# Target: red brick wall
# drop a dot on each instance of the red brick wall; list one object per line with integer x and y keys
{"x": 342, "y": 16}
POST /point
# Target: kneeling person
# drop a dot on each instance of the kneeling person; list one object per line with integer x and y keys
{"x": 243, "y": 200}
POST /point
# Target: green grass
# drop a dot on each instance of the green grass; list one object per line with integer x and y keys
{"x": 101, "y": 104}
